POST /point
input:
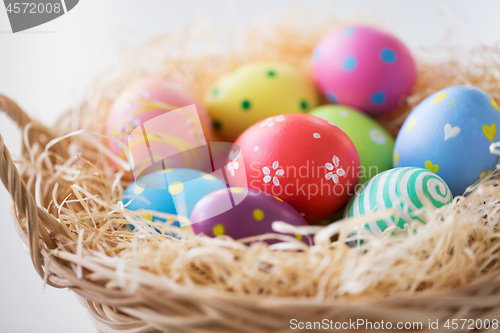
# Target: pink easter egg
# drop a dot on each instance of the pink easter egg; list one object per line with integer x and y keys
{"x": 147, "y": 101}
{"x": 365, "y": 68}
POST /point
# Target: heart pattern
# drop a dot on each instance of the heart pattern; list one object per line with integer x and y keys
{"x": 490, "y": 131}
{"x": 450, "y": 131}
{"x": 485, "y": 173}
{"x": 431, "y": 167}
{"x": 439, "y": 97}
{"x": 411, "y": 123}
{"x": 494, "y": 104}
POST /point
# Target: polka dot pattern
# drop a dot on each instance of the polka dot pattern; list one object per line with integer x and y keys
{"x": 175, "y": 188}
{"x": 241, "y": 98}
{"x": 304, "y": 106}
{"x": 217, "y": 125}
{"x": 353, "y": 59}
{"x": 331, "y": 96}
{"x": 245, "y": 105}
{"x": 258, "y": 215}
{"x": 208, "y": 177}
{"x": 218, "y": 229}
{"x": 316, "y": 56}
{"x": 349, "y": 63}
{"x": 349, "y": 31}
{"x": 139, "y": 188}
{"x": 378, "y": 98}
{"x": 388, "y": 56}
{"x": 253, "y": 216}
{"x": 171, "y": 191}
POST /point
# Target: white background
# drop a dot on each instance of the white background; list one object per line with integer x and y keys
{"x": 47, "y": 68}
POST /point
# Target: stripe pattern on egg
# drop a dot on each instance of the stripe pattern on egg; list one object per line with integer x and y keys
{"x": 406, "y": 190}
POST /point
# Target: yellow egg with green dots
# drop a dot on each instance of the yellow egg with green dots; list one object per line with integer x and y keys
{"x": 257, "y": 91}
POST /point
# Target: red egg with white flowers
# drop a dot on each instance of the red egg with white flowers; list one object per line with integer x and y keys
{"x": 306, "y": 161}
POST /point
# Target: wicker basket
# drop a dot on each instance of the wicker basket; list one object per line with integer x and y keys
{"x": 149, "y": 303}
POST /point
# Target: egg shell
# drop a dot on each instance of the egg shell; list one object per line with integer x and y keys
{"x": 171, "y": 191}
{"x": 147, "y": 100}
{"x": 450, "y": 133}
{"x": 365, "y": 68}
{"x": 373, "y": 143}
{"x": 404, "y": 189}
{"x": 254, "y": 92}
{"x": 304, "y": 160}
{"x": 253, "y": 214}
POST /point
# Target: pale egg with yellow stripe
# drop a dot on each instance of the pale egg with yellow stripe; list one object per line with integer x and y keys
{"x": 170, "y": 191}
{"x": 240, "y": 213}
{"x": 150, "y": 98}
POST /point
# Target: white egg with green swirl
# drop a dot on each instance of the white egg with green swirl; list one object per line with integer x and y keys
{"x": 406, "y": 190}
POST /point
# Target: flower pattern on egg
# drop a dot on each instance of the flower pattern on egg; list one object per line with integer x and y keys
{"x": 233, "y": 165}
{"x": 334, "y": 170}
{"x": 269, "y": 122}
{"x": 277, "y": 172}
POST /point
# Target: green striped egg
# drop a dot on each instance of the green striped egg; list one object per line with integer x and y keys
{"x": 404, "y": 189}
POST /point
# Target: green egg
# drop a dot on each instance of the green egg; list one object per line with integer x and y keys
{"x": 373, "y": 142}
{"x": 406, "y": 190}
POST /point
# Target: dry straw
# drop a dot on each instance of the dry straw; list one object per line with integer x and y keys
{"x": 67, "y": 210}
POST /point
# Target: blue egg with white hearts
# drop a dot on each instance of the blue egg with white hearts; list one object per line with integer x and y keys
{"x": 449, "y": 133}
{"x": 171, "y": 191}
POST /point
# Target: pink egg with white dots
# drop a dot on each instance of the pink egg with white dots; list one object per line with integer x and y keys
{"x": 365, "y": 68}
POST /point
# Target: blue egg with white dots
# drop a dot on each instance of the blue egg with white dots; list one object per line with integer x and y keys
{"x": 450, "y": 133}
{"x": 170, "y": 191}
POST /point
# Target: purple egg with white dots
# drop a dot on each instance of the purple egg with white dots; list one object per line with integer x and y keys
{"x": 365, "y": 68}
{"x": 241, "y": 212}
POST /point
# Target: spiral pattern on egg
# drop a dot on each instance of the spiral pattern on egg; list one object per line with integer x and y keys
{"x": 406, "y": 190}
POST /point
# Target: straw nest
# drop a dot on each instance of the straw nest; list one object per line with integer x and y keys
{"x": 68, "y": 212}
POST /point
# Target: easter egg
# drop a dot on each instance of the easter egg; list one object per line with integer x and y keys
{"x": 171, "y": 191}
{"x": 304, "y": 160}
{"x": 254, "y": 92}
{"x": 406, "y": 190}
{"x": 252, "y": 214}
{"x": 365, "y": 68}
{"x": 449, "y": 133}
{"x": 373, "y": 143}
{"x": 146, "y": 108}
